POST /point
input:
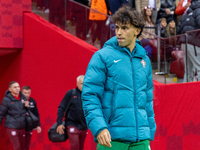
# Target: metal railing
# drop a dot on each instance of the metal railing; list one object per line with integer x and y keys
{"x": 161, "y": 57}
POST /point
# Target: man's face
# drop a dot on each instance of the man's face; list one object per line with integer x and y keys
{"x": 80, "y": 84}
{"x": 126, "y": 34}
{"x": 27, "y": 93}
{"x": 14, "y": 89}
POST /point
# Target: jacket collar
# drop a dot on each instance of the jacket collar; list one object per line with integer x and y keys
{"x": 195, "y": 5}
{"x": 77, "y": 89}
{"x": 9, "y": 95}
{"x": 138, "y": 51}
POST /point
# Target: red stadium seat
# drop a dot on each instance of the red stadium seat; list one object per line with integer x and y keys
{"x": 177, "y": 66}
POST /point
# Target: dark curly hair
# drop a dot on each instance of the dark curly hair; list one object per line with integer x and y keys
{"x": 126, "y": 15}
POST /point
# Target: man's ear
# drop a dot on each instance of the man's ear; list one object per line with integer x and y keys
{"x": 137, "y": 31}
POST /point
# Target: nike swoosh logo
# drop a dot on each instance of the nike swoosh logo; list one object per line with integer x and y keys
{"x": 115, "y": 61}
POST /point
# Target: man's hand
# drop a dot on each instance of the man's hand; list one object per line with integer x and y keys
{"x": 60, "y": 129}
{"x": 168, "y": 11}
{"x": 26, "y": 103}
{"x": 187, "y": 5}
{"x": 39, "y": 129}
{"x": 104, "y": 138}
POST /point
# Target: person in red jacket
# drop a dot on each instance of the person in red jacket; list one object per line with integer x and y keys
{"x": 182, "y": 7}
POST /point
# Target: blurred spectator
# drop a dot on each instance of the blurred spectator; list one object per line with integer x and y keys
{"x": 154, "y": 4}
{"x": 131, "y": 3}
{"x": 116, "y": 4}
{"x": 81, "y": 17}
{"x": 191, "y": 21}
{"x": 182, "y": 8}
{"x": 100, "y": 20}
{"x": 39, "y": 4}
{"x": 163, "y": 24}
{"x": 167, "y": 9}
{"x": 57, "y": 13}
{"x": 43, "y": 4}
{"x": 148, "y": 31}
{"x": 170, "y": 42}
{"x": 145, "y": 37}
{"x": 171, "y": 28}
{"x": 46, "y": 5}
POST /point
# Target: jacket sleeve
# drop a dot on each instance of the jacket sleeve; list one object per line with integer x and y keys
{"x": 180, "y": 9}
{"x": 198, "y": 17}
{"x": 180, "y": 25}
{"x": 37, "y": 113}
{"x": 93, "y": 89}
{"x": 158, "y": 4}
{"x": 62, "y": 107}
{"x": 3, "y": 109}
{"x": 149, "y": 105}
{"x": 162, "y": 9}
{"x": 172, "y": 8}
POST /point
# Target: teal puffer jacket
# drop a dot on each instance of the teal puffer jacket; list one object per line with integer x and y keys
{"x": 118, "y": 93}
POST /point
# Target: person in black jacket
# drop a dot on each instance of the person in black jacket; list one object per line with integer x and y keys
{"x": 167, "y": 9}
{"x": 13, "y": 109}
{"x": 26, "y": 90}
{"x": 74, "y": 118}
{"x": 191, "y": 21}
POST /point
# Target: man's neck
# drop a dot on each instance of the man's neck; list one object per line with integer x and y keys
{"x": 132, "y": 46}
{"x": 13, "y": 94}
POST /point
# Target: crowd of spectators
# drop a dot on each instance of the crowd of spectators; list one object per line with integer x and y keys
{"x": 168, "y": 9}
{"x": 91, "y": 19}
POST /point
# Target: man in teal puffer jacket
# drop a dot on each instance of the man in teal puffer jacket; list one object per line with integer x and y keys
{"x": 118, "y": 88}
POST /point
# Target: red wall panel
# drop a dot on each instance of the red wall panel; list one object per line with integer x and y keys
{"x": 9, "y": 71}
{"x": 49, "y": 63}
{"x": 11, "y": 22}
{"x": 177, "y": 116}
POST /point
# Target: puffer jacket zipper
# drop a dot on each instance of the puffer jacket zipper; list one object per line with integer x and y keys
{"x": 131, "y": 60}
{"x": 134, "y": 100}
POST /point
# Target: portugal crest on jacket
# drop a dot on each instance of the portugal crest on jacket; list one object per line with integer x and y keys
{"x": 143, "y": 63}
